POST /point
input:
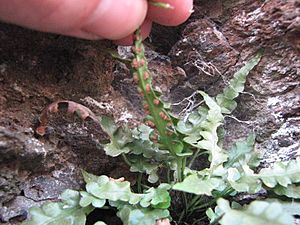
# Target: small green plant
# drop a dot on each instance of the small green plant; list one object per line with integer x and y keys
{"x": 162, "y": 151}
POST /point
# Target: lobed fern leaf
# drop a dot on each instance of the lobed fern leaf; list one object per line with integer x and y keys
{"x": 279, "y": 176}
{"x": 258, "y": 213}
{"x": 199, "y": 185}
{"x": 67, "y": 212}
{"x": 282, "y": 173}
{"x": 236, "y": 86}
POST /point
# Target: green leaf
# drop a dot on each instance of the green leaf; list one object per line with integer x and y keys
{"x": 142, "y": 165}
{"x": 119, "y": 137}
{"x": 88, "y": 177}
{"x": 193, "y": 123}
{"x": 70, "y": 197}
{"x": 199, "y": 185}
{"x": 112, "y": 190}
{"x": 209, "y": 133}
{"x": 100, "y": 223}
{"x": 292, "y": 207}
{"x": 157, "y": 197}
{"x": 243, "y": 153}
{"x": 291, "y": 191}
{"x": 282, "y": 173}
{"x": 244, "y": 180}
{"x": 86, "y": 199}
{"x": 67, "y": 212}
{"x": 108, "y": 125}
{"x": 236, "y": 86}
{"x": 258, "y": 213}
{"x": 141, "y": 216}
{"x": 178, "y": 146}
{"x": 113, "y": 150}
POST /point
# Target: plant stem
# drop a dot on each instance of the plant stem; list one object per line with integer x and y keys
{"x": 126, "y": 160}
{"x": 168, "y": 175}
{"x": 195, "y": 156}
{"x": 195, "y": 199}
{"x": 139, "y": 183}
{"x": 158, "y": 116}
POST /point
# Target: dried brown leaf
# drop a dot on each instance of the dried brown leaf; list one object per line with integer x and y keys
{"x": 72, "y": 107}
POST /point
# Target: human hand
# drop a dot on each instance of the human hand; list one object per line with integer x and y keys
{"x": 93, "y": 19}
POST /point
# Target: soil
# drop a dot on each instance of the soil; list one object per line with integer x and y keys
{"x": 37, "y": 69}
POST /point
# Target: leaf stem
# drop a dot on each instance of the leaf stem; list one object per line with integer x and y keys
{"x": 196, "y": 155}
{"x": 126, "y": 160}
{"x": 139, "y": 183}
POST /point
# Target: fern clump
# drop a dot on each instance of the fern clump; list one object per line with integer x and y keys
{"x": 162, "y": 150}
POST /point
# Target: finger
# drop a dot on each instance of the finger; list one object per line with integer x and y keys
{"x": 145, "y": 30}
{"x": 82, "y": 34}
{"x": 115, "y": 19}
{"x": 102, "y": 18}
{"x": 180, "y": 12}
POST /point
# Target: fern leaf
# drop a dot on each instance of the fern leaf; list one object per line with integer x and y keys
{"x": 67, "y": 212}
{"x": 209, "y": 132}
{"x": 291, "y": 191}
{"x": 132, "y": 215}
{"x": 236, "y": 86}
{"x": 243, "y": 153}
{"x": 258, "y": 213}
{"x": 282, "y": 173}
{"x": 199, "y": 185}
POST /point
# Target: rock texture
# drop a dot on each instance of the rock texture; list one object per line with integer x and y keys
{"x": 37, "y": 69}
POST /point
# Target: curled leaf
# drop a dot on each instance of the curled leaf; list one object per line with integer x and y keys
{"x": 72, "y": 107}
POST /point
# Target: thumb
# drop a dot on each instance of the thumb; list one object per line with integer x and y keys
{"x": 91, "y": 19}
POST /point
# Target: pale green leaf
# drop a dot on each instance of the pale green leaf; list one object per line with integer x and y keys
{"x": 141, "y": 216}
{"x": 292, "y": 207}
{"x": 209, "y": 132}
{"x": 258, "y": 213}
{"x": 236, "y": 86}
{"x": 100, "y": 223}
{"x": 57, "y": 213}
{"x": 143, "y": 165}
{"x": 244, "y": 180}
{"x": 282, "y": 173}
{"x": 113, "y": 150}
{"x": 243, "y": 153}
{"x": 157, "y": 197}
{"x": 88, "y": 177}
{"x": 70, "y": 197}
{"x": 111, "y": 190}
{"x": 291, "y": 191}
{"x": 199, "y": 185}
{"x": 108, "y": 125}
{"x": 86, "y": 199}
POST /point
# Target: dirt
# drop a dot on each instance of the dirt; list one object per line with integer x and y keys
{"x": 37, "y": 69}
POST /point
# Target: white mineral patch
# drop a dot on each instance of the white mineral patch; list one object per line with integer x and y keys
{"x": 125, "y": 116}
{"x": 36, "y": 146}
{"x": 290, "y": 128}
{"x": 275, "y": 105}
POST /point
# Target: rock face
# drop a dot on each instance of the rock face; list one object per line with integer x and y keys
{"x": 37, "y": 69}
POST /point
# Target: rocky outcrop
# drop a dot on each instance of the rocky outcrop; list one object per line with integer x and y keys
{"x": 37, "y": 69}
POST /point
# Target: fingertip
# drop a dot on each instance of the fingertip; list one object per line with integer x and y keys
{"x": 116, "y": 19}
{"x": 180, "y": 12}
{"x": 128, "y": 40}
{"x": 83, "y": 35}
